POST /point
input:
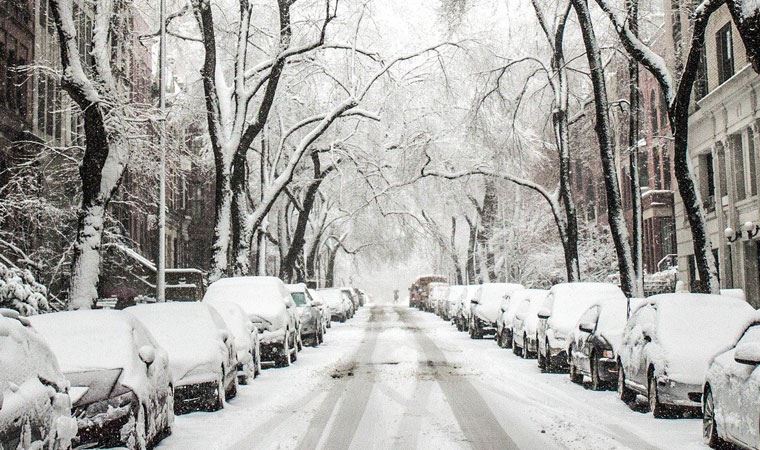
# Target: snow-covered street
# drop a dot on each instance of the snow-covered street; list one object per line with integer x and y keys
{"x": 399, "y": 378}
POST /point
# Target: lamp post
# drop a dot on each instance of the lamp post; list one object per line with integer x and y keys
{"x": 161, "y": 264}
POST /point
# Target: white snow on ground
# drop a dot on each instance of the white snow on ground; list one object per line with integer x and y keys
{"x": 404, "y": 380}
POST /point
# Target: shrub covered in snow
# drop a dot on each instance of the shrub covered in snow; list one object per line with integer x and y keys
{"x": 21, "y": 292}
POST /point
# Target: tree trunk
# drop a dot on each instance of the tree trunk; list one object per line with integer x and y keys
{"x": 487, "y": 220}
{"x": 299, "y": 240}
{"x": 332, "y": 253}
{"x": 471, "y": 243}
{"x": 618, "y": 227}
{"x": 454, "y": 256}
{"x": 634, "y": 115}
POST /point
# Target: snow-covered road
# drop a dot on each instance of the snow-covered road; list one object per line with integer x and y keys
{"x": 398, "y": 378}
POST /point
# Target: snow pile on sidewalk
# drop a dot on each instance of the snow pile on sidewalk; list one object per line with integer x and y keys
{"x": 21, "y": 292}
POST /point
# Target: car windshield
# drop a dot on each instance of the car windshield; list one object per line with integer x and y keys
{"x": 299, "y": 298}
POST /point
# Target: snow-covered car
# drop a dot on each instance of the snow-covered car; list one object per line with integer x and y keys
{"x": 323, "y": 309}
{"x": 202, "y": 354}
{"x": 731, "y": 394}
{"x": 668, "y": 344}
{"x": 452, "y": 301}
{"x": 462, "y": 314}
{"x": 265, "y": 302}
{"x": 247, "y": 346}
{"x": 429, "y": 301}
{"x": 335, "y": 299}
{"x": 492, "y": 311}
{"x": 35, "y": 408}
{"x": 525, "y": 323}
{"x": 309, "y": 314}
{"x": 595, "y": 341}
{"x": 348, "y": 300}
{"x": 119, "y": 377}
{"x": 438, "y": 295}
{"x": 558, "y": 316}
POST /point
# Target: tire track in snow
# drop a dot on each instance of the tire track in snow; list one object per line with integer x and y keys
{"x": 349, "y": 398}
{"x": 475, "y": 418}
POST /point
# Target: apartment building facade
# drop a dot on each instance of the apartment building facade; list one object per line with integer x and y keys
{"x": 723, "y": 145}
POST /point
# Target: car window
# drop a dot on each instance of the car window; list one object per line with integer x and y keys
{"x": 299, "y": 298}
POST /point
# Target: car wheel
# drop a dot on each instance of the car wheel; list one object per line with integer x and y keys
{"x": 220, "y": 394}
{"x": 709, "y": 424}
{"x": 517, "y": 350}
{"x": 596, "y": 383}
{"x": 575, "y": 375}
{"x": 500, "y": 338}
{"x": 625, "y": 394}
{"x": 232, "y": 390}
{"x": 294, "y": 349}
{"x": 540, "y": 359}
{"x": 525, "y": 352}
{"x": 548, "y": 367}
{"x": 507, "y": 338}
{"x": 299, "y": 341}
{"x": 284, "y": 359}
{"x": 138, "y": 438}
{"x": 658, "y": 409}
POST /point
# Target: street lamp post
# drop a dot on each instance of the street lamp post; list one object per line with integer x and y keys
{"x": 161, "y": 266}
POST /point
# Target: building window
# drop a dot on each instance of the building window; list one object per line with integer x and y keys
{"x": 737, "y": 150}
{"x": 707, "y": 181}
{"x": 725, "y": 53}
{"x": 643, "y": 169}
{"x": 653, "y": 113}
{"x": 666, "y": 168}
{"x": 657, "y": 168}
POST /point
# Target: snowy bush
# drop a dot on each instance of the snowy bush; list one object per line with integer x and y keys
{"x": 21, "y": 292}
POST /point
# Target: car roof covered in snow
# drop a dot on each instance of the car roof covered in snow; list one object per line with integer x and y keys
{"x": 88, "y": 339}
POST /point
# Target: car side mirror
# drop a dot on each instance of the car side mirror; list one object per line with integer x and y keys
{"x": 647, "y": 338}
{"x": 748, "y": 354}
{"x": 147, "y": 354}
{"x": 587, "y": 327}
{"x": 316, "y": 303}
{"x": 544, "y": 313}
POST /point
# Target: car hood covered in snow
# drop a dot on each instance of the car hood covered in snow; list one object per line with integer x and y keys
{"x": 189, "y": 335}
{"x": 490, "y": 297}
{"x": 333, "y": 298}
{"x": 691, "y": 329}
{"x": 262, "y": 298}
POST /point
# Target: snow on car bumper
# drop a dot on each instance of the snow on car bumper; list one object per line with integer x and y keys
{"x": 272, "y": 337}
{"x": 100, "y": 422}
{"x": 671, "y": 392}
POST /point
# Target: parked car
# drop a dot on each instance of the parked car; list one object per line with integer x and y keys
{"x": 453, "y": 298}
{"x": 264, "y": 300}
{"x": 438, "y": 295}
{"x": 418, "y": 291}
{"x": 429, "y": 300}
{"x": 349, "y": 301}
{"x": 202, "y": 354}
{"x": 309, "y": 313}
{"x": 247, "y": 346}
{"x": 463, "y": 307}
{"x": 595, "y": 341}
{"x": 558, "y": 316}
{"x": 485, "y": 308}
{"x": 121, "y": 385}
{"x": 35, "y": 408}
{"x": 336, "y": 301}
{"x": 525, "y": 323}
{"x": 731, "y": 400}
{"x": 323, "y": 309}
{"x": 668, "y": 344}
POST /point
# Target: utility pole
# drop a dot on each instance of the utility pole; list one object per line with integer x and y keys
{"x": 161, "y": 266}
